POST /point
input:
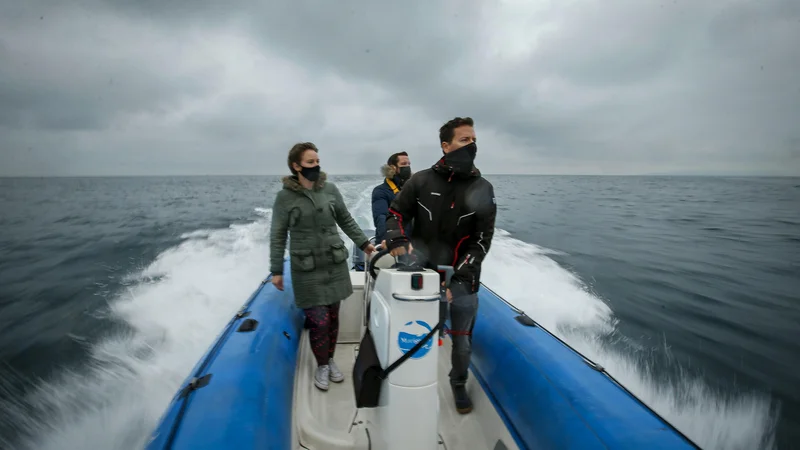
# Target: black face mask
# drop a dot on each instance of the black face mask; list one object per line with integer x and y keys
{"x": 404, "y": 172}
{"x": 461, "y": 159}
{"x": 310, "y": 173}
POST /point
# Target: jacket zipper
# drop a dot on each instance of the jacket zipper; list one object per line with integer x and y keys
{"x": 314, "y": 215}
{"x": 466, "y": 258}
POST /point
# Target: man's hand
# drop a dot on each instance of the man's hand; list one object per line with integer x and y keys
{"x": 277, "y": 281}
{"x": 399, "y": 251}
{"x": 449, "y": 294}
{"x": 369, "y": 249}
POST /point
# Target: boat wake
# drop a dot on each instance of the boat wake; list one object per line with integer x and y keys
{"x": 525, "y": 276}
{"x": 175, "y": 307}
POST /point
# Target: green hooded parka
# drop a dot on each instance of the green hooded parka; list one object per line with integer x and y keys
{"x": 318, "y": 257}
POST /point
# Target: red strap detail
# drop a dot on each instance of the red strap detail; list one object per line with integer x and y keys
{"x": 455, "y": 256}
{"x": 448, "y": 331}
{"x": 399, "y": 220}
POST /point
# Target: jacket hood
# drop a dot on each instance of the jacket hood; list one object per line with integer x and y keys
{"x": 292, "y": 183}
{"x": 388, "y": 171}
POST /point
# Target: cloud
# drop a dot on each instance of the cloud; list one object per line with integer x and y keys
{"x": 197, "y": 87}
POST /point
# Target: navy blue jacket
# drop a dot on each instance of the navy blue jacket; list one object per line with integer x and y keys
{"x": 382, "y": 197}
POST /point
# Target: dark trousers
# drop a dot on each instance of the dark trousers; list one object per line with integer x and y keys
{"x": 463, "y": 312}
{"x": 323, "y": 329}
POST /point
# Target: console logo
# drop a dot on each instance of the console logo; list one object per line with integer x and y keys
{"x": 411, "y": 334}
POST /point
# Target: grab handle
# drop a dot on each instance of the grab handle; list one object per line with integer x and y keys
{"x": 445, "y": 272}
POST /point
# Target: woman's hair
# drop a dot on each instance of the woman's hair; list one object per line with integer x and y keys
{"x": 296, "y": 154}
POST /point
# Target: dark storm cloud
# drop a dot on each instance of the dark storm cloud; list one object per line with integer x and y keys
{"x": 60, "y": 72}
{"x": 598, "y": 87}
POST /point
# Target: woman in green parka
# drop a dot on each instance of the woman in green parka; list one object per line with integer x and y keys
{"x": 309, "y": 207}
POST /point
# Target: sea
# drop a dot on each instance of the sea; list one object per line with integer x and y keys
{"x": 686, "y": 289}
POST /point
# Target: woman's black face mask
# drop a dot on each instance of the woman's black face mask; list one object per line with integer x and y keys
{"x": 310, "y": 173}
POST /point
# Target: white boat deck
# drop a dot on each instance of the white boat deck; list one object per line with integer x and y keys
{"x": 330, "y": 421}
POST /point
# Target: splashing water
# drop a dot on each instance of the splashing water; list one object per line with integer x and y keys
{"x": 525, "y": 276}
{"x": 176, "y": 306}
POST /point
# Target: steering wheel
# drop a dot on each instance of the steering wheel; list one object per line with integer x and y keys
{"x": 402, "y": 261}
{"x": 371, "y": 264}
{"x": 445, "y": 272}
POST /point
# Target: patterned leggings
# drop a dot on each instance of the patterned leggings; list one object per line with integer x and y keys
{"x": 323, "y": 325}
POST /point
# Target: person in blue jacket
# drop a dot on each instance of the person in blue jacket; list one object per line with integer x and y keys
{"x": 396, "y": 172}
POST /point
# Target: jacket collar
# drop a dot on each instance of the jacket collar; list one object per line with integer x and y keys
{"x": 292, "y": 183}
{"x": 441, "y": 168}
{"x": 392, "y": 186}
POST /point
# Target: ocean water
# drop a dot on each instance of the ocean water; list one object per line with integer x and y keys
{"x": 686, "y": 289}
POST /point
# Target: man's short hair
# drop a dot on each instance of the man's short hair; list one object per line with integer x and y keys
{"x": 394, "y": 158}
{"x": 447, "y": 131}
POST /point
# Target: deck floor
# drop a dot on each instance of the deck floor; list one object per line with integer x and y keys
{"x": 329, "y": 420}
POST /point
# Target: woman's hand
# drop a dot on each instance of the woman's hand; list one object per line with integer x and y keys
{"x": 277, "y": 281}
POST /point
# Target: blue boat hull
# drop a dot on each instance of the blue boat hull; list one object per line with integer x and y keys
{"x": 549, "y": 397}
{"x": 247, "y": 403}
{"x": 548, "y": 394}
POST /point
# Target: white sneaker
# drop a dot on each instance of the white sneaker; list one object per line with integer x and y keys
{"x": 336, "y": 375}
{"x": 321, "y": 377}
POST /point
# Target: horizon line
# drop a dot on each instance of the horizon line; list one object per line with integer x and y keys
{"x": 754, "y": 175}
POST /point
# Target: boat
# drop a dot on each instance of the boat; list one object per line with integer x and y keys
{"x": 253, "y": 388}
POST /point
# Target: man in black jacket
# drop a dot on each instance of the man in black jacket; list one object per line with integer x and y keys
{"x": 454, "y": 212}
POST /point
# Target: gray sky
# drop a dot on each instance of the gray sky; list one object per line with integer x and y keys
{"x": 584, "y": 87}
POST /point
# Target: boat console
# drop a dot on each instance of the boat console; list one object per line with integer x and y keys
{"x": 402, "y": 309}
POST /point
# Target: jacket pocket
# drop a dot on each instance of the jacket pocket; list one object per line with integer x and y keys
{"x": 302, "y": 260}
{"x": 466, "y": 220}
{"x": 426, "y": 210}
{"x": 332, "y": 206}
{"x": 294, "y": 216}
{"x": 339, "y": 253}
{"x": 460, "y": 288}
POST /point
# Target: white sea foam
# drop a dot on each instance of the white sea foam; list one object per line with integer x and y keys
{"x": 178, "y": 304}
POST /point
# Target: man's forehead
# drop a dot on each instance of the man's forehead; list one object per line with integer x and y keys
{"x": 464, "y": 130}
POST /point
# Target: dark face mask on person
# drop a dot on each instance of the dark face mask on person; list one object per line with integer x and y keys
{"x": 310, "y": 173}
{"x": 404, "y": 173}
{"x": 461, "y": 159}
